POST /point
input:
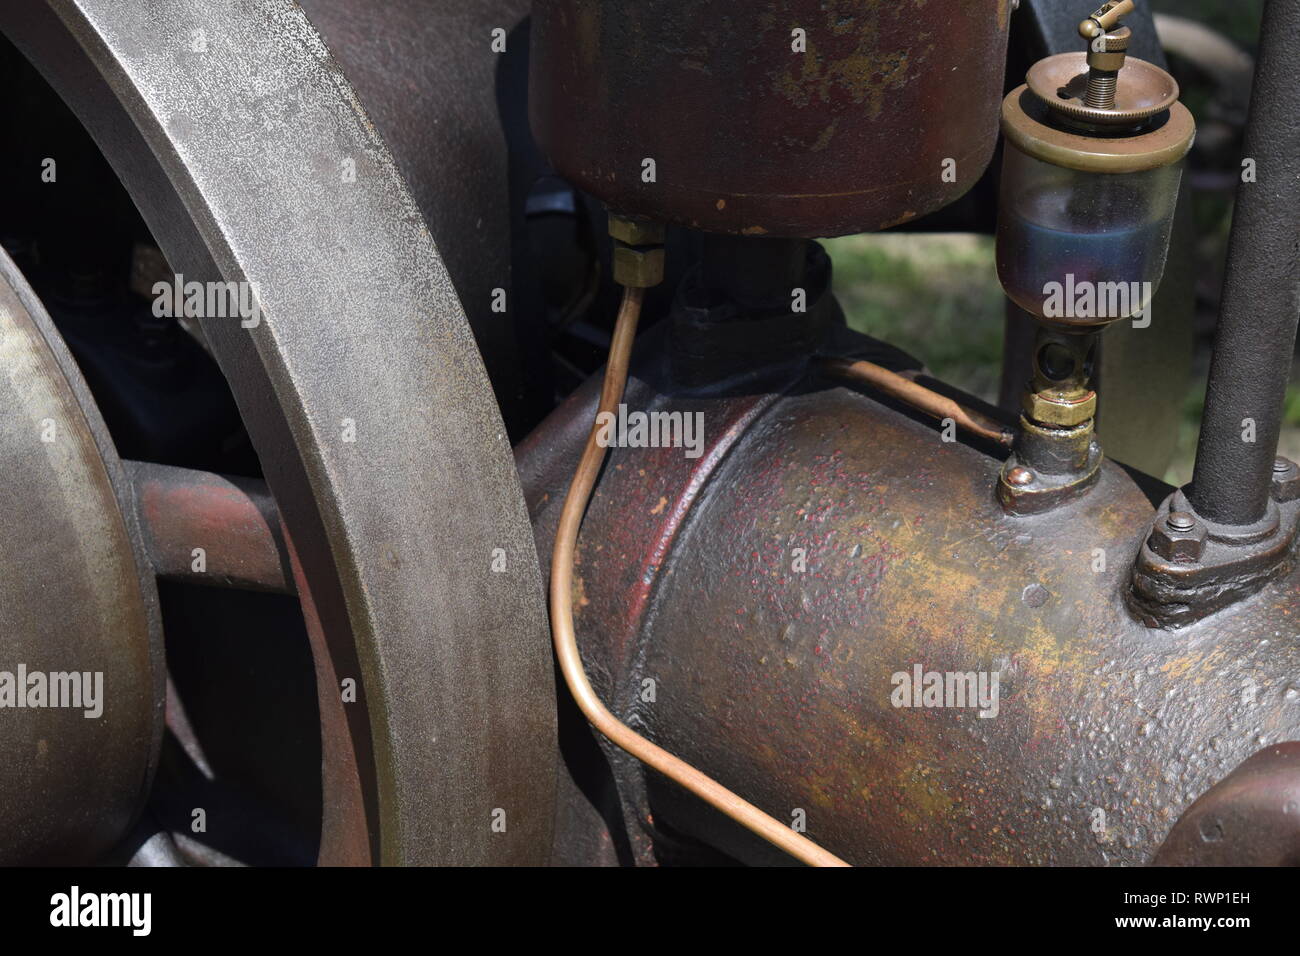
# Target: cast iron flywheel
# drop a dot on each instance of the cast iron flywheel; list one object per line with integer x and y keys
{"x": 366, "y": 400}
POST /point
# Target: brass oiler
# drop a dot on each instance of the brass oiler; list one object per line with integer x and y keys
{"x": 1090, "y": 177}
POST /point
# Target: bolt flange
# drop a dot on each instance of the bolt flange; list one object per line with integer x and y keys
{"x": 1189, "y": 567}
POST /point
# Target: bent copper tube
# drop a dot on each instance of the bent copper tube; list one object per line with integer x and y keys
{"x": 918, "y": 396}
{"x": 566, "y": 644}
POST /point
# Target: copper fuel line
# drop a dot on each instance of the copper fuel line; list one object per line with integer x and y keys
{"x": 918, "y": 396}
{"x": 565, "y": 639}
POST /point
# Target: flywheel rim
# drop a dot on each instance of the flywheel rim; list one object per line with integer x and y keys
{"x": 233, "y": 154}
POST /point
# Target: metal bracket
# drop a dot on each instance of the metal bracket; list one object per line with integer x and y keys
{"x": 1190, "y": 567}
{"x": 1023, "y": 490}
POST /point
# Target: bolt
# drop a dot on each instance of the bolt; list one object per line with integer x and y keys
{"x": 1180, "y": 538}
{"x": 1286, "y": 480}
{"x": 1020, "y": 476}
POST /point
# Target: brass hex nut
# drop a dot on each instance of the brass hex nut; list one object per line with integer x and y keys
{"x": 1175, "y": 542}
{"x": 638, "y": 268}
{"x": 636, "y": 232}
{"x": 1062, "y": 410}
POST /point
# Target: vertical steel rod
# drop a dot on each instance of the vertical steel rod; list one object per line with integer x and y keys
{"x": 1261, "y": 295}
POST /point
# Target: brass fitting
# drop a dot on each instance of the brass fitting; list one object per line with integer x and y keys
{"x": 638, "y": 268}
{"x": 1107, "y": 53}
{"x": 1063, "y": 409}
{"x": 636, "y": 232}
{"x": 638, "y": 256}
{"x": 1116, "y": 93}
{"x": 1107, "y": 48}
{"x": 1105, "y": 18}
{"x": 1056, "y": 455}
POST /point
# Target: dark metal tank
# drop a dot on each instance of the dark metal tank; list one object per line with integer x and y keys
{"x": 778, "y": 681}
{"x": 751, "y": 136}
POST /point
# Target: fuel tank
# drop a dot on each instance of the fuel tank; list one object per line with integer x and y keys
{"x": 825, "y": 541}
{"x": 767, "y": 117}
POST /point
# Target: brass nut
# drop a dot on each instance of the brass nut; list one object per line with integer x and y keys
{"x": 638, "y": 268}
{"x": 1172, "y": 542}
{"x": 636, "y": 232}
{"x": 1053, "y": 408}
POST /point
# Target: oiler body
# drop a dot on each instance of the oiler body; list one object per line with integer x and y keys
{"x": 772, "y": 590}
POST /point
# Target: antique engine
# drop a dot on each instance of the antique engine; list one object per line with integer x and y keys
{"x": 807, "y": 602}
{"x": 831, "y": 533}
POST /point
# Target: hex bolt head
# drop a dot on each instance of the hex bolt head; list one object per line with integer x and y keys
{"x": 636, "y": 232}
{"x": 1179, "y": 538}
{"x": 638, "y": 268}
{"x": 1286, "y": 480}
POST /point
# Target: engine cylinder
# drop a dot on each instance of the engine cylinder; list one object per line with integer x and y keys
{"x": 822, "y": 543}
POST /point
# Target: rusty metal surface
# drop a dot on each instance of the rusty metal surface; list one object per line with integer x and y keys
{"x": 234, "y": 155}
{"x": 750, "y": 137}
{"x": 76, "y": 596}
{"x": 779, "y": 682}
{"x": 233, "y": 520}
{"x": 1250, "y": 818}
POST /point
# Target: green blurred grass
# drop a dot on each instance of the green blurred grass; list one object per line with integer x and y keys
{"x": 935, "y": 296}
